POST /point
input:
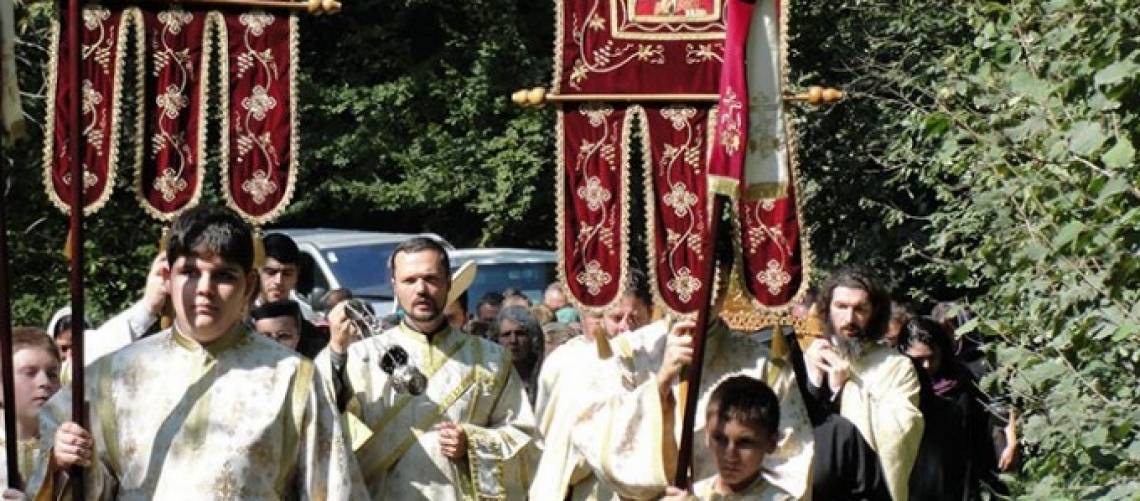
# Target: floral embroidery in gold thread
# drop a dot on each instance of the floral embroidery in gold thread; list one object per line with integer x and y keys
{"x": 775, "y": 278}
{"x": 594, "y": 277}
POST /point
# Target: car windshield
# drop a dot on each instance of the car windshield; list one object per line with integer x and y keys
{"x": 531, "y": 278}
{"x": 363, "y": 269}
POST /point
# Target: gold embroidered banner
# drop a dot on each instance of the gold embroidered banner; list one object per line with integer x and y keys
{"x": 638, "y": 46}
{"x": 103, "y": 36}
{"x": 170, "y": 175}
{"x": 593, "y": 202}
{"x": 260, "y": 131}
{"x": 677, "y": 209}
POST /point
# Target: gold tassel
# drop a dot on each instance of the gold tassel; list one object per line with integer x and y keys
{"x": 258, "y": 249}
{"x": 166, "y": 319}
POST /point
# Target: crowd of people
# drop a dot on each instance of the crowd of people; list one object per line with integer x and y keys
{"x": 222, "y": 382}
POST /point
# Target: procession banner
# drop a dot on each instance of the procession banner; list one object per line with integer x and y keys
{"x": 260, "y": 136}
{"x": 103, "y": 36}
{"x": 593, "y": 201}
{"x": 170, "y": 174}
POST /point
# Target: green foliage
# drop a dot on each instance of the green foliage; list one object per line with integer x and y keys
{"x": 1013, "y": 127}
{"x": 418, "y": 133}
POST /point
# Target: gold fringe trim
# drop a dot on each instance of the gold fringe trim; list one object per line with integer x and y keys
{"x": 294, "y": 125}
{"x": 559, "y": 34}
{"x": 651, "y": 249}
{"x": 116, "y": 98}
{"x": 203, "y": 110}
{"x": 560, "y": 211}
{"x": 724, "y": 185}
{"x": 49, "y": 123}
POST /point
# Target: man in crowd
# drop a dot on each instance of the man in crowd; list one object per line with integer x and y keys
{"x": 515, "y": 297}
{"x": 572, "y": 377}
{"x": 280, "y": 321}
{"x": 518, "y": 331}
{"x": 852, "y": 374}
{"x": 629, "y": 437}
{"x": 487, "y": 309}
{"x": 465, "y": 435}
{"x": 554, "y": 298}
{"x": 205, "y": 409}
{"x": 279, "y": 275}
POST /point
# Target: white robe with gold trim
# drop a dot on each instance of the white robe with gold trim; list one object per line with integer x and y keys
{"x": 471, "y": 381}
{"x": 880, "y": 398}
{"x": 241, "y": 418}
{"x": 621, "y": 437}
{"x": 573, "y": 377}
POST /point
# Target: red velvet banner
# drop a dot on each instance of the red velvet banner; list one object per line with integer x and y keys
{"x": 770, "y": 244}
{"x": 103, "y": 37}
{"x": 676, "y": 174}
{"x": 593, "y": 203}
{"x": 170, "y": 176}
{"x": 638, "y": 46}
{"x": 259, "y": 136}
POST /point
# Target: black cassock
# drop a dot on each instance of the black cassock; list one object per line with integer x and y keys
{"x": 844, "y": 466}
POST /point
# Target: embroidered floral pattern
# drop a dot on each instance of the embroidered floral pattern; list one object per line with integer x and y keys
{"x": 174, "y": 20}
{"x": 774, "y": 278}
{"x": 594, "y": 193}
{"x": 609, "y": 56}
{"x": 172, "y": 101}
{"x": 93, "y": 17}
{"x": 680, "y": 199}
{"x": 594, "y": 278}
{"x": 259, "y": 103}
{"x": 259, "y": 186}
{"x": 684, "y": 284}
{"x": 91, "y": 98}
{"x": 703, "y": 53}
{"x": 169, "y": 184}
{"x": 679, "y": 116}
{"x": 89, "y": 179}
{"x": 731, "y": 136}
{"x": 256, "y": 22}
{"x": 596, "y": 112}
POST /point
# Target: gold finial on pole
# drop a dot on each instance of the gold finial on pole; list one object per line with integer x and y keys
{"x": 538, "y": 96}
{"x": 817, "y": 96}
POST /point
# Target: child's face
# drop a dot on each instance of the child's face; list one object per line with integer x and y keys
{"x": 738, "y": 450}
{"x": 36, "y": 378}
{"x": 209, "y": 293}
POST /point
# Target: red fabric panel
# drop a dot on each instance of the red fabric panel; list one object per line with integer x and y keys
{"x": 731, "y": 140}
{"x": 101, "y": 39}
{"x": 676, "y": 139}
{"x": 261, "y": 124}
{"x": 770, "y": 242}
{"x": 593, "y": 202}
{"x": 170, "y": 176}
{"x": 639, "y": 46}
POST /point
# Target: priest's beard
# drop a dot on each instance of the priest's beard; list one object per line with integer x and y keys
{"x": 849, "y": 347}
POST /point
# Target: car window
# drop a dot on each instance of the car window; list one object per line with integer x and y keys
{"x": 363, "y": 269}
{"x": 531, "y": 278}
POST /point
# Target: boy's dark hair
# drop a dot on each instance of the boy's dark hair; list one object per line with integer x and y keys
{"x": 747, "y": 400}
{"x": 281, "y": 308}
{"x": 420, "y": 244}
{"x": 637, "y": 286}
{"x": 217, "y": 229}
{"x": 64, "y": 324}
{"x": 34, "y": 338}
{"x": 282, "y": 248}
{"x": 859, "y": 279}
{"x": 926, "y": 331}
